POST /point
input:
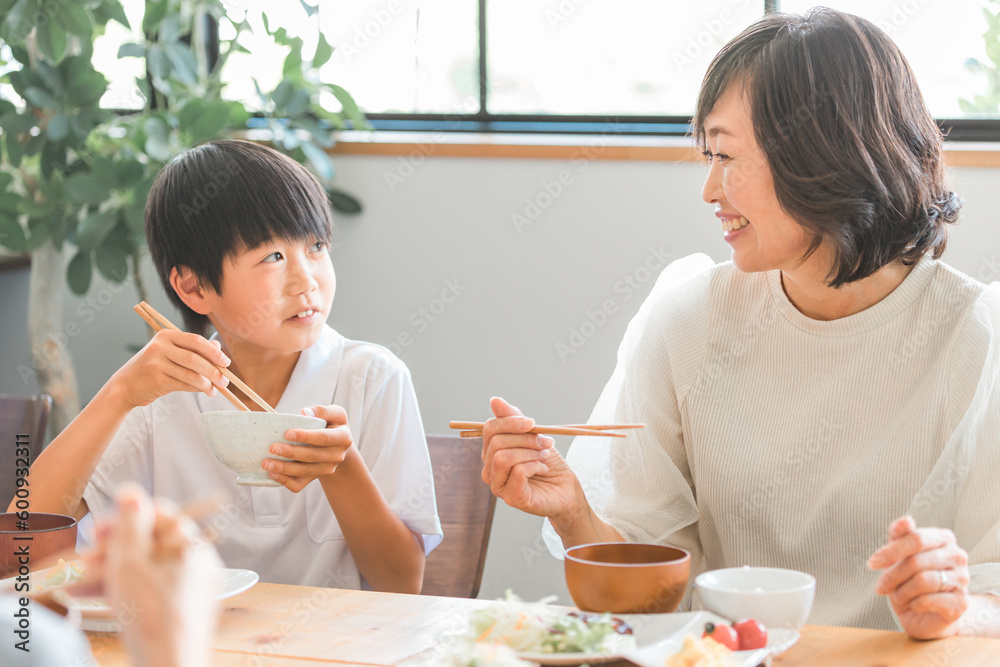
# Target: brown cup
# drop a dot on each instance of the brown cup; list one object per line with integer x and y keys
{"x": 627, "y": 578}
{"x": 46, "y": 536}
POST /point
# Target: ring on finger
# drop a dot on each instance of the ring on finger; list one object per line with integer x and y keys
{"x": 944, "y": 581}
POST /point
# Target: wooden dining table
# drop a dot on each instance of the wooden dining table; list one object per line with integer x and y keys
{"x": 296, "y": 626}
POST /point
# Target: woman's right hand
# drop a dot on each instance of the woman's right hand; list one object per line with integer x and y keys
{"x": 525, "y": 470}
{"x": 171, "y": 361}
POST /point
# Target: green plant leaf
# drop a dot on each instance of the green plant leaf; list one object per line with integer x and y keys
{"x": 59, "y": 229}
{"x": 34, "y": 145}
{"x": 5, "y": 181}
{"x": 343, "y": 202}
{"x": 53, "y": 157}
{"x": 14, "y": 123}
{"x": 135, "y": 218}
{"x": 84, "y": 85}
{"x": 298, "y": 104}
{"x": 293, "y": 61}
{"x": 112, "y": 10}
{"x": 190, "y": 112}
{"x": 10, "y": 203}
{"x": 131, "y": 50}
{"x": 73, "y": 16}
{"x": 11, "y": 234}
{"x": 319, "y": 159}
{"x": 282, "y": 93}
{"x": 79, "y": 272}
{"x": 157, "y": 139}
{"x": 58, "y": 127}
{"x": 157, "y": 62}
{"x": 17, "y": 23}
{"x": 310, "y": 9}
{"x": 210, "y": 121}
{"x": 15, "y": 150}
{"x": 351, "y": 109}
{"x": 104, "y": 170}
{"x": 323, "y": 52}
{"x": 41, "y": 98}
{"x": 321, "y": 135}
{"x": 169, "y": 30}
{"x": 112, "y": 259}
{"x": 51, "y": 76}
{"x": 185, "y": 65}
{"x": 93, "y": 228}
{"x": 51, "y": 40}
{"x": 83, "y": 188}
{"x": 155, "y": 11}
{"x": 128, "y": 172}
{"x": 38, "y": 233}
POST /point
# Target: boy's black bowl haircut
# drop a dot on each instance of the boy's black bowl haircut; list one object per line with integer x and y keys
{"x": 224, "y": 197}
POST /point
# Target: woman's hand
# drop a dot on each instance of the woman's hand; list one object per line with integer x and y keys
{"x": 171, "y": 361}
{"x": 524, "y": 469}
{"x": 160, "y": 579}
{"x": 322, "y": 451}
{"x": 926, "y": 578}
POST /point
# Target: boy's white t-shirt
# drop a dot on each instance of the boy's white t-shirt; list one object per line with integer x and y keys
{"x": 288, "y": 538}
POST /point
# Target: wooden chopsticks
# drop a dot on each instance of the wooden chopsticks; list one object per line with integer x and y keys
{"x": 154, "y": 319}
{"x": 475, "y": 429}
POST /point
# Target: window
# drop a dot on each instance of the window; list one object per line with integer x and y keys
{"x": 946, "y": 49}
{"x": 121, "y": 73}
{"x": 570, "y": 65}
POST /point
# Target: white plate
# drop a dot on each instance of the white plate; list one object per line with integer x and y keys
{"x": 659, "y": 636}
{"x": 96, "y": 615}
{"x": 654, "y": 654}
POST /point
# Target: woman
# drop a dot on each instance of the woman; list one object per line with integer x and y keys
{"x": 832, "y": 377}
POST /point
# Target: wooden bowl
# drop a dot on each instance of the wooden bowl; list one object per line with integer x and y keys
{"x": 46, "y": 536}
{"x": 627, "y": 578}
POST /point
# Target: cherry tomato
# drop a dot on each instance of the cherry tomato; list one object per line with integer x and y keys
{"x": 752, "y": 634}
{"x": 723, "y": 634}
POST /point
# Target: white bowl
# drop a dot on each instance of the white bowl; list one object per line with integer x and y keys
{"x": 242, "y": 440}
{"x": 777, "y": 598}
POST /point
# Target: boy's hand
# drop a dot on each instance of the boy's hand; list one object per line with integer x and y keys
{"x": 171, "y": 361}
{"x": 329, "y": 447}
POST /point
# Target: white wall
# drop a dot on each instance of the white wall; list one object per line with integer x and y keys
{"x": 519, "y": 292}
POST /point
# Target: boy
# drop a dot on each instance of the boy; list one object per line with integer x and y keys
{"x": 239, "y": 235}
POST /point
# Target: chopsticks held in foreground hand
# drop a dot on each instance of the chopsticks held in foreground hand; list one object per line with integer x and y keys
{"x": 475, "y": 429}
{"x": 154, "y": 319}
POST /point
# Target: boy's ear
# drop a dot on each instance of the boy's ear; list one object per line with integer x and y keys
{"x": 189, "y": 288}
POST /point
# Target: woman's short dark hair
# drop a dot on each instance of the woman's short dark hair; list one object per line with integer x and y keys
{"x": 855, "y": 155}
{"x": 224, "y": 197}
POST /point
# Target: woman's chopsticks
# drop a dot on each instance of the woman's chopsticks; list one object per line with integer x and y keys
{"x": 475, "y": 429}
{"x": 154, "y": 319}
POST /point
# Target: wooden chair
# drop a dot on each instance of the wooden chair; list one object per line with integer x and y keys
{"x": 20, "y": 415}
{"x": 465, "y": 506}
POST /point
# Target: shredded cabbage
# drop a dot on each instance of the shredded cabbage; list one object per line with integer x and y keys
{"x": 62, "y": 573}
{"x": 540, "y": 628}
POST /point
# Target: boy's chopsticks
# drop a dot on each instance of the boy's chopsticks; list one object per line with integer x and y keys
{"x": 154, "y": 319}
{"x": 475, "y": 429}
